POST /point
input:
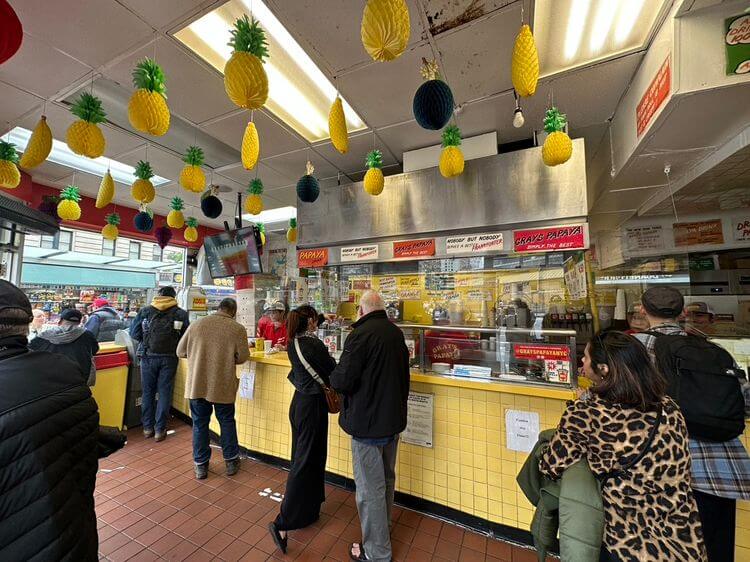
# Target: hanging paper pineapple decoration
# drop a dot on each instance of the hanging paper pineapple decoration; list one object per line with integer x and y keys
{"x": 142, "y": 189}
{"x": 250, "y": 147}
{"x": 110, "y": 230}
{"x": 84, "y": 137}
{"x": 147, "y": 110}
{"x": 144, "y": 220}
{"x": 524, "y": 69}
{"x": 337, "y": 127}
{"x": 262, "y": 230}
{"x": 254, "y": 201}
{"x": 191, "y": 232}
{"x": 385, "y": 29}
{"x": 374, "y": 180}
{"x": 163, "y": 235}
{"x": 39, "y": 145}
{"x": 10, "y": 177}
{"x": 175, "y": 218}
{"x": 433, "y": 101}
{"x": 291, "y": 233}
{"x": 451, "y": 159}
{"x": 192, "y": 177}
{"x": 210, "y": 204}
{"x": 68, "y": 208}
{"x": 106, "y": 191}
{"x": 557, "y": 148}
{"x": 245, "y": 79}
{"x": 308, "y": 187}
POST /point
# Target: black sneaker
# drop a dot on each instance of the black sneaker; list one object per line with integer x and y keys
{"x": 160, "y": 436}
{"x": 201, "y": 471}
{"x": 148, "y": 433}
{"x": 233, "y": 466}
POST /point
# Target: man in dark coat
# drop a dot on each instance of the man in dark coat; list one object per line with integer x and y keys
{"x": 71, "y": 339}
{"x": 48, "y": 447}
{"x": 104, "y": 322}
{"x": 373, "y": 375}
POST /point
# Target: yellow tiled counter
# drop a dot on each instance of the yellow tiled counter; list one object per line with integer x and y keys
{"x": 469, "y": 467}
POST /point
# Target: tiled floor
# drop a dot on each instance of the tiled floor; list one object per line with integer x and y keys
{"x": 150, "y": 507}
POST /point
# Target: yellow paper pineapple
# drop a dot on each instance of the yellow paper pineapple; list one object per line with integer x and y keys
{"x": 385, "y": 29}
{"x": 557, "y": 148}
{"x": 250, "y": 147}
{"x": 10, "y": 177}
{"x": 192, "y": 177}
{"x": 374, "y": 180}
{"x": 68, "y": 208}
{"x": 39, "y": 145}
{"x": 524, "y": 70}
{"x": 84, "y": 137}
{"x": 106, "y": 191}
{"x": 291, "y": 233}
{"x": 175, "y": 218}
{"x": 142, "y": 189}
{"x": 337, "y": 127}
{"x": 191, "y": 232}
{"x": 451, "y": 159}
{"x": 254, "y": 201}
{"x": 245, "y": 79}
{"x": 110, "y": 230}
{"x": 147, "y": 110}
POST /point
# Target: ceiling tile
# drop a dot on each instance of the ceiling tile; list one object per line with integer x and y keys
{"x": 293, "y": 165}
{"x": 354, "y": 160}
{"x": 270, "y": 177}
{"x": 92, "y": 32}
{"x": 165, "y": 13}
{"x": 15, "y": 103}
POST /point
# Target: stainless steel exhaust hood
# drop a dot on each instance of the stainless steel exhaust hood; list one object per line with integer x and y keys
{"x": 25, "y": 219}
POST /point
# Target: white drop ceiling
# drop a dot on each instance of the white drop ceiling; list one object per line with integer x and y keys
{"x": 67, "y": 43}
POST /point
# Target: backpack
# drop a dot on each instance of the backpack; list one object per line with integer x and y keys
{"x": 109, "y": 325}
{"x": 704, "y": 381}
{"x": 159, "y": 335}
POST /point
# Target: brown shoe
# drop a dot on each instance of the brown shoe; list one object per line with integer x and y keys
{"x": 160, "y": 436}
{"x": 148, "y": 433}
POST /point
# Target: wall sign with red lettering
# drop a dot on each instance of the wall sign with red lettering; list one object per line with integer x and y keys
{"x": 414, "y": 248}
{"x": 570, "y": 237}
{"x": 368, "y": 252}
{"x": 312, "y": 258}
{"x": 555, "y": 358}
{"x": 654, "y": 96}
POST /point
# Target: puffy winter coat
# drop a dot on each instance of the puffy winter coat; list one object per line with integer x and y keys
{"x": 48, "y": 458}
{"x": 104, "y": 324}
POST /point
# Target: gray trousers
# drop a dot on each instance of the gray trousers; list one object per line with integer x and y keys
{"x": 375, "y": 479}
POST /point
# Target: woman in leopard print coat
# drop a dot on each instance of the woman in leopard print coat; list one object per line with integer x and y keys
{"x": 650, "y": 513}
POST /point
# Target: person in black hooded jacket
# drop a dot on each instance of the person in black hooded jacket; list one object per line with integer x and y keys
{"x": 48, "y": 447}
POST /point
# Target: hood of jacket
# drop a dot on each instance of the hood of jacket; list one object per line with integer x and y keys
{"x": 106, "y": 310}
{"x": 163, "y": 303}
{"x": 62, "y": 334}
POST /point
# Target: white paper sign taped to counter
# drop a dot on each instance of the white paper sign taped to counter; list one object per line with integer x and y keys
{"x": 521, "y": 430}
{"x": 419, "y": 420}
{"x": 247, "y": 381}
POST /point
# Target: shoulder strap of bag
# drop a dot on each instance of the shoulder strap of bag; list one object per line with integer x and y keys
{"x": 307, "y": 365}
{"x": 622, "y": 471}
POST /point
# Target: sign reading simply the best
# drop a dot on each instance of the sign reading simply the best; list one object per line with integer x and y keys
{"x": 473, "y": 243}
{"x": 569, "y": 237}
{"x": 367, "y": 252}
{"x": 414, "y": 248}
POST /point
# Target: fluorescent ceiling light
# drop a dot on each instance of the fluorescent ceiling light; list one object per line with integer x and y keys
{"x": 299, "y": 93}
{"x": 61, "y": 154}
{"x": 282, "y": 214}
{"x": 592, "y": 30}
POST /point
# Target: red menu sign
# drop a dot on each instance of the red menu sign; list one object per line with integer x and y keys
{"x": 654, "y": 96}
{"x": 312, "y": 258}
{"x": 541, "y": 352}
{"x": 414, "y": 248}
{"x": 570, "y": 237}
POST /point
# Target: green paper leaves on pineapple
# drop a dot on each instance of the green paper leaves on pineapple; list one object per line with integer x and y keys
{"x": 177, "y": 204}
{"x": 451, "y": 136}
{"x": 143, "y": 170}
{"x": 292, "y": 223}
{"x": 554, "y": 120}
{"x": 8, "y": 152}
{"x": 194, "y": 156}
{"x": 374, "y": 159}
{"x": 192, "y": 222}
{"x": 113, "y": 219}
{"x": 149, "y": 76}
{"x": 70, "y": 193}
{"x": 256, "y": 187}
{"x": 249, "y": 37}
{"x": 89, "y": 108}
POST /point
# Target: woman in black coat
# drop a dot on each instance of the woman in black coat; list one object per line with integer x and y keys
{"x": 308, "y": 414}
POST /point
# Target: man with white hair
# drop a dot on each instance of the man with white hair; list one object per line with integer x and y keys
{"x": 373, "y": 376}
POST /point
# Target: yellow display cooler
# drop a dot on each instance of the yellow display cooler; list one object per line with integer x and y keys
{"x": 112, "y": 363}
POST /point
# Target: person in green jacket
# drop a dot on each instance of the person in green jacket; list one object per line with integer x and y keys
{"x": 635, "y": 440}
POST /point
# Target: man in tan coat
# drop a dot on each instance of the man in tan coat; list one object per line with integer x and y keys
{"x": 214, "y": 346}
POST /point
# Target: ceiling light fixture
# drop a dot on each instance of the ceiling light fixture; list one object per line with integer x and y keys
{"x": 576, "y": 22}
{"x": 61, "y": 154}
{"x": 282, "y": 214}
{"x": 605, "y": 17}
{"x": 626, "y": 20}
{"x": 299, "y": 93}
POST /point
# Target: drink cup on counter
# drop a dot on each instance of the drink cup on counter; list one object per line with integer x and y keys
{"x": 260, "y": 344}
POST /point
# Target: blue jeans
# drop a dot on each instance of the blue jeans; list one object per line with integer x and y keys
{"x": 157, "y": 375}
{"x": 200, "y": 411}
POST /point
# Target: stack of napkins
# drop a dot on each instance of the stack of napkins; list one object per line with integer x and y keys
{"x": 471, "y": 371}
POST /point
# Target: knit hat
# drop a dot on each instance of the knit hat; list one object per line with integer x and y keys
{"x": 663, "y": 302}
{"x": 100, "y": 302}
{"x": 13, "y": 298}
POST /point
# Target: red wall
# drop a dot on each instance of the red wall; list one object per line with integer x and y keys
{"x": 94, "y": 219}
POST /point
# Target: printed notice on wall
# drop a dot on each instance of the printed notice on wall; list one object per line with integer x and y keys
{"x": 741, "y": 227}
{"x": 419, "y": 420}
{"x": 359, "y": 253}
{"x": 574, "y": 274}
{"x": 474, "y": 243}
{"x": 247, "y": 381}
{"x": 521, "y": 430}
{"x": 645, "y": 239}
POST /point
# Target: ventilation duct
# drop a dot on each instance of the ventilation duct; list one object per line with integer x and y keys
{"x": 25, "y": 219}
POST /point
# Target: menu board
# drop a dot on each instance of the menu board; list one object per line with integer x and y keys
{"x": 698, "y": 233}
{"x": 419, "y": 419}
{"x": 645, "y": 239}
